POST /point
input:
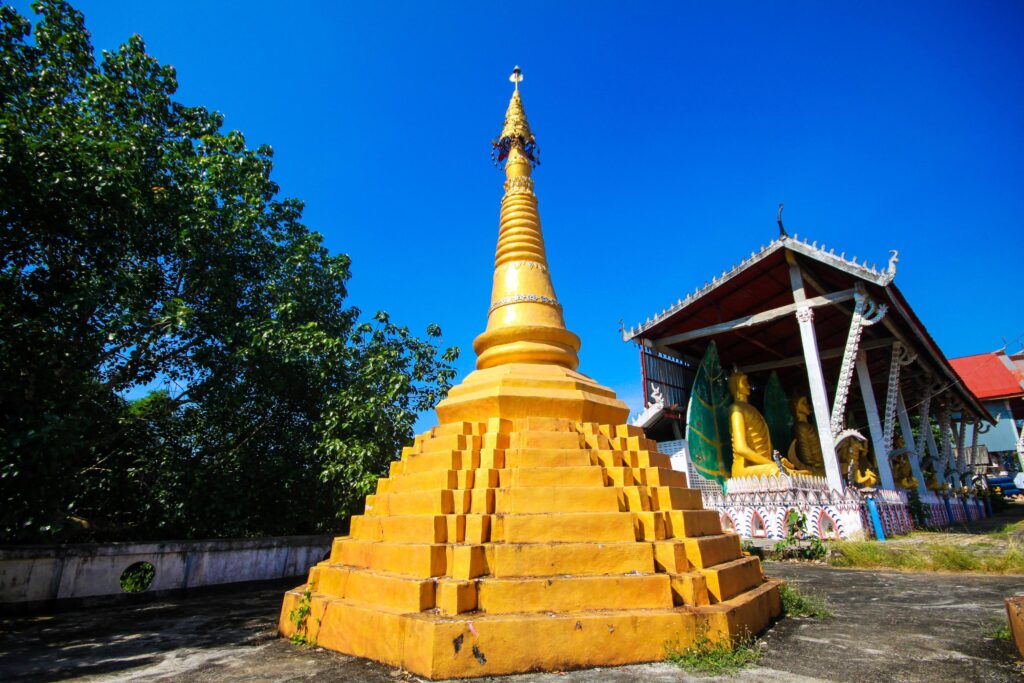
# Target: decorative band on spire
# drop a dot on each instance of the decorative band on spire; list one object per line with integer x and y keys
{"x": 516, "y": 133}
{"x": 525, "y": 299}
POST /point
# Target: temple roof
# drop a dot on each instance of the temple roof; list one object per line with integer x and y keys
{"x": 991, "y": 375}
{"x": 849, "y": 265}
{"x": 740, "y": 310}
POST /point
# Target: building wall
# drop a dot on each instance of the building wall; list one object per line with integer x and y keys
{"x": 1001, "y": 435}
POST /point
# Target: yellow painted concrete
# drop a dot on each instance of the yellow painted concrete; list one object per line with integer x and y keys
{"x": 574, "y": 593}
{"x": 531, "y": 529}
{"x": 729, "y": 579}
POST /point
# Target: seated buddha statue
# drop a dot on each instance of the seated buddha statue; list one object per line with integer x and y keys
{"x": 931, "y": 481}
{"x": 902, "y": 474}
{"x": 854, "y": 451}
{"x": 751, "y": 442}
{"x": 805, "y": 451}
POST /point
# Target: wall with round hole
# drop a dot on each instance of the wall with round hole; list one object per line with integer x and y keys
{"x": 137, "y": 577}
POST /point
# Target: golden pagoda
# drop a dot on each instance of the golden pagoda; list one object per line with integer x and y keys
{"x": 532, "y": 529}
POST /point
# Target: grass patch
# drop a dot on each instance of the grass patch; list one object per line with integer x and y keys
{"x": 928, "y": 556}
{"x": 718, "y": 658}
{"x": 1008, "y": 530}
{"x": 998, "y": 630}
{"x": 796, "y": 604}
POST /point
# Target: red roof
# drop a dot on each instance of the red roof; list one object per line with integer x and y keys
{"x": 988, "y": 376}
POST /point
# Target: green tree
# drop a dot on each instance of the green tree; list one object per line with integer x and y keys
{"x": 140, "y": 243}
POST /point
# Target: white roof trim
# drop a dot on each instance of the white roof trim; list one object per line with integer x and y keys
{"x": 860, "y": 270}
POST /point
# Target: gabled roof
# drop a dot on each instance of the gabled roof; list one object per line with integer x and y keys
{"x": 990, "y": 375}
{"x": 761, "y": 283}
{"x": 859, "y": 270}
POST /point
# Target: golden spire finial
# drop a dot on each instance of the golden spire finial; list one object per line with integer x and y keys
{"x": 516, "y": 76}
{"x": 524, "y": 323}
{"x": 516, "y": 133}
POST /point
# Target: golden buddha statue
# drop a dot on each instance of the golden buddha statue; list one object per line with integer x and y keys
{"x": 931, "y": 481}
{"x": 853, "y": 450}
{"x": 805, "y": 451}
{"x": 902, "y": 473}
{"x": 751, "y": 442}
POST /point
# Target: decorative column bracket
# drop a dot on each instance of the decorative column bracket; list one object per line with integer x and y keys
{"x": 929, "y": 389}
{"x": 961, "y": 458}
{"x": 975, "y": 432}
{"x": 900, "y": 356}
{"x": 945, "y": 415}
{"x": 865, "y": 314}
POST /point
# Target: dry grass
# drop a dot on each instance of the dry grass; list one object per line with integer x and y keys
{"x": 996, "y": 552}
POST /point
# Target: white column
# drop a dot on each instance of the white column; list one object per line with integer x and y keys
{"x": 908, "y": 441}
{"x": 947, "y": 444}
{"x": 874, "y": 423}
{"x": 819, "y": 397}
{"x": 815, "y": 377}
{"x": 961, "y": 458}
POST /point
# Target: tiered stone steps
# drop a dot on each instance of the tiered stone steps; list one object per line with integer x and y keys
{"x": 486, "y": 538}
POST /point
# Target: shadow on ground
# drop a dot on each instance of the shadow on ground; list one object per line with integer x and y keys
{"x": 887, "y": 627}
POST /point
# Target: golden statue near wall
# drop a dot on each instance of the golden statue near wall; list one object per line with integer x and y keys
{"x": 806, "y": 446}
{"x": 751, "y": 442}
{"x": 854, "y": 450}
{"x": 902, "y": 474}
{"x": 931, "y": 481}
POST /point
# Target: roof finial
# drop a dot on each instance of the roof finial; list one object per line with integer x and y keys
{"x": 516, "y": 76}
{"x": 516, "y": 138}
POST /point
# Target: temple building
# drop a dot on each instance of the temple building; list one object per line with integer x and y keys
{"x": 801, "y": 379}
{"x": 997, "y": 379}
{"x": 532, "y": 529}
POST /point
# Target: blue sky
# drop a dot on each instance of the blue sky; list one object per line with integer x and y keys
{"x": 669, "y": 134}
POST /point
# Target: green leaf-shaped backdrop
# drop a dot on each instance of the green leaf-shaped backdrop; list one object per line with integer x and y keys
{"x": 778, "y": 415}
{"x": 707, "y": 423}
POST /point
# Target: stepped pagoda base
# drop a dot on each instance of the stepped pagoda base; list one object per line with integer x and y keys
{"x": 506, "y": 546}
{"x": 438, "y": 647}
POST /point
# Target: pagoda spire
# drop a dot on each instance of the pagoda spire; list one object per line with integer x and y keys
{"x": 524, "y": 322}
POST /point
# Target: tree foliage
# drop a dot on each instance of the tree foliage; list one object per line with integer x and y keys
{"x": 141, "y": 245}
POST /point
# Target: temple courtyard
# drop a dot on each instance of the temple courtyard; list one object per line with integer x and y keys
{"x": 886, "y": 626}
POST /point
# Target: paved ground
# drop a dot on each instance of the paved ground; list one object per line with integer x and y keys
{"x": 887, "y": 627}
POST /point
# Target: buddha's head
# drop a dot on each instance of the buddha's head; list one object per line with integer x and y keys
{"x": 739, "y": 386}
{"x": 801, "y": 408}
{"x": 851, "y": 449}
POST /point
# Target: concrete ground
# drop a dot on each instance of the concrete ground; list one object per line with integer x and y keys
{"x": 887, "y": 627}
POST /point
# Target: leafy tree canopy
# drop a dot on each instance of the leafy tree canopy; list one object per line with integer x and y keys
{"x": 139, "y": 244}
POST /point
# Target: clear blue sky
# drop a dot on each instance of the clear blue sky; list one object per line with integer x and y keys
{"x": 669, "y": 134}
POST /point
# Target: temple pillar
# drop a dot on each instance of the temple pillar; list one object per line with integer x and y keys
{"x": 908, "y": 439}
{"x": 962, "y": 466}
{"x": 947, "y": 444}
{"x": 815, "y": 377}
{"x": 819, "y": 397}
{"x": 933, "y": 450}
{"x": 874, "y": 422}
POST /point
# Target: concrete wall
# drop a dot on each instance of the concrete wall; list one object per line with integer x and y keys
{"x": 44, "y": 574}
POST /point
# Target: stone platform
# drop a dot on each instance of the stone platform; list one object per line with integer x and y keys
{"x": 513, "y": 545}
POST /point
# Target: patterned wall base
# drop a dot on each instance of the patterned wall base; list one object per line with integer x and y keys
{"x": 757, "y": 506}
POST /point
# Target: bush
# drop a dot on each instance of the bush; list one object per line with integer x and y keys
{"x": 798, "y": 545}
